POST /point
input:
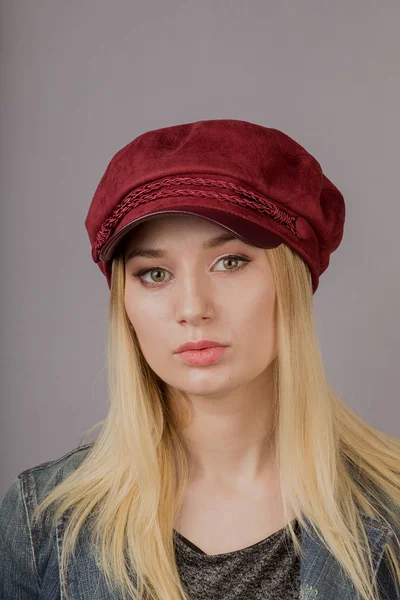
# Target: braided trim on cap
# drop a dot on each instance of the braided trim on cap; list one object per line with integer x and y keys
{"x": 140, "y": 195}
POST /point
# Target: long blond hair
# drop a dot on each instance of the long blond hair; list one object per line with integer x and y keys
{"x": 133, "y": 479}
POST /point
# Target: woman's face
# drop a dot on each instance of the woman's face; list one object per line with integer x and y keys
{"x": 194, "y": 292}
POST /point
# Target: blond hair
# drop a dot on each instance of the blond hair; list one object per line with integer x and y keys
{"x": 332, "y": 463}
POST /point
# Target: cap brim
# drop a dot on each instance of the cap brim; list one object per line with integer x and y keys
{"x": 243, "y": 223}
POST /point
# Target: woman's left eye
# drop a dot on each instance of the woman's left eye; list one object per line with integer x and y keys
{"x": 140, "y": 275}
{"x": 236, "y": 258}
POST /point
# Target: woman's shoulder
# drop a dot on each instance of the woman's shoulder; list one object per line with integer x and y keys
{"x": 29, "y": 545}
{"x": 42, "y": 478}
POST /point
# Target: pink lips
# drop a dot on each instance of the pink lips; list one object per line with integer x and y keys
{"x": 207, "y": 356}
{"x": 198, "y": 345}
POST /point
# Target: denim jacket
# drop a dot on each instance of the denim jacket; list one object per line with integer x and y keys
{"x": 30, "y": 556}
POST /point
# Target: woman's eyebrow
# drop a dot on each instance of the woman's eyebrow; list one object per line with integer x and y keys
{"x": 153, "y": 253}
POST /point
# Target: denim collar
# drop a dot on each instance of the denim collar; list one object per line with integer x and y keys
{"x": 322, "y": 577}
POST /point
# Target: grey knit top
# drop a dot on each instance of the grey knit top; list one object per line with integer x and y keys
{"x": 267, "y": 570}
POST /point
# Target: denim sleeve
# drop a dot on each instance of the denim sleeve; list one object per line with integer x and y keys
{"x": 18, "y": 577}
{"x": 385, "y": 581}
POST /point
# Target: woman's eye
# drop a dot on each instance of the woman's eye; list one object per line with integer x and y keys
{"x": 226, "y": 260}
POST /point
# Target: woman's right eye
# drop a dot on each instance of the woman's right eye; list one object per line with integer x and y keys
{"x": 144, "y": 272}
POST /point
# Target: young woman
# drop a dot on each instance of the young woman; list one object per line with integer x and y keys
{"x": 227, "y": 467}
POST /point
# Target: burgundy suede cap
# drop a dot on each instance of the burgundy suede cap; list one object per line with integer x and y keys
{"x": 252, "y": 180}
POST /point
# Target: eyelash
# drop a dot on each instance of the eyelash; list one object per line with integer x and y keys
{"x": 140, "y": 274}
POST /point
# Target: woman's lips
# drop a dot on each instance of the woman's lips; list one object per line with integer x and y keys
{"x": 207, "y": 356}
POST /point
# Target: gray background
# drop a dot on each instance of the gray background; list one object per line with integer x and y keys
{"x": 80, "y": 79}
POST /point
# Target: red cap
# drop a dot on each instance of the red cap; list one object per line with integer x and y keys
{"x": 252, "y": 180}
